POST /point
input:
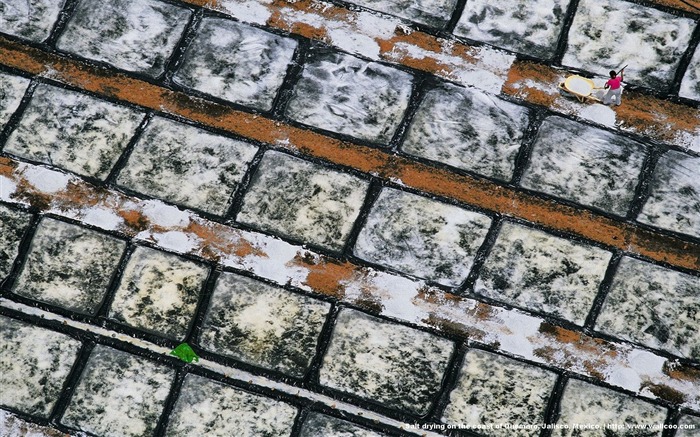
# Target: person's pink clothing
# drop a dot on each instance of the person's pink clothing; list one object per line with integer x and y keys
{"x": 614, "y": 83}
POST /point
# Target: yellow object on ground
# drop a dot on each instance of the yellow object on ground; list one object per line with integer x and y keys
{"x": 580, "y": 87}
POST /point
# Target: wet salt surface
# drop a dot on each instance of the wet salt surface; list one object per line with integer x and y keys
{"x": 208, "y": 168}
{"x": 494, "y": 389}
{"x": 654, "y": 306}
{"x": 467, "y": 129}
{"x": 303, "y": 200}
{"x": 29, "y": 19}
{"x": 12, "y": 90}
{"x": 158, "y": 292}
{"x": 347, "y": 95}
{"x": 13, "y": 426}
{"x": 384, "y": 362}
{"x": 531, "y": 27}
{"x": 609, "y": 34}
{"x": 13, "y": 223}
{"x": 236, "y": 62}
{"x": 584, "y": 403}
{"x": 35, "y": 363}
{"x": 69, "y": 266}
{"x": 585, "y": 164}
{"x": 690, "y": 86}
{"x": 118, "y": 395}
{"x": 435, "y": 13}
{"x": 263, "y": 325}
{"x": 249, "y": 11}
{"x": 73, "y": 131}
{"x": 540, "y": 272}
{"x": 134, "y": 35}
{"x": 421, "y": 236}
{"x": 674, "y": 197}
{"x": 208, "y": 408}
{"x": 688, "y": 421}
{"x": 317, "y": 425}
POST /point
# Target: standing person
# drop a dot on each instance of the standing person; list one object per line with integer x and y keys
{"x": 614, "y": 87}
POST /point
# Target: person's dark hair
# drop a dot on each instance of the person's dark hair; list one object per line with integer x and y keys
{"x": 612, "y": 74}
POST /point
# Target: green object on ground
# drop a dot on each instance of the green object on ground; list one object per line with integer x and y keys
{"x": 185, "y": 353}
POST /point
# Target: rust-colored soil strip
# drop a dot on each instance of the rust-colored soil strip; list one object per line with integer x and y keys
{"x": 474, "y": 191}
{"x": 692, "y": 6}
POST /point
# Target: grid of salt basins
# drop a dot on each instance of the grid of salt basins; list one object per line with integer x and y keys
{"x": 60, "y": 275}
